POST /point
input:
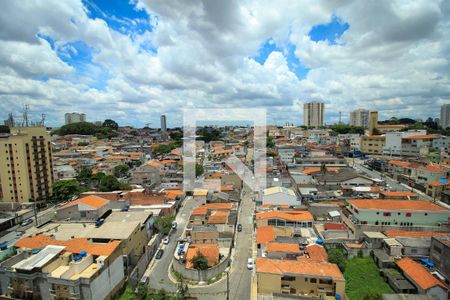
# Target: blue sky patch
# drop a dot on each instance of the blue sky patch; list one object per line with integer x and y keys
{"x": 329, "y": 32}
{"x": 294, "y": 63}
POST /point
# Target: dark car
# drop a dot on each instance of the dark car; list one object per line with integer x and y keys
{"x": 159, "y": 254}
{"x": 239, "y": 227}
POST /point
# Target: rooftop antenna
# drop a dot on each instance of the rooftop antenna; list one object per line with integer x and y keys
{"x": 26, "y": 107}
{"x": 340, "y": 115}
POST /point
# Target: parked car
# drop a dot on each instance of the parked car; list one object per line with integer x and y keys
{"x": 250, "y": 263}
{"x": 239, "y": 227}
{"x": 166, "y": 240}
{"x": 26, "y": 222}
{"x": 159, "y": 254}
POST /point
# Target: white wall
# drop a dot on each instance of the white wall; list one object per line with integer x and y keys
{"x": 108, "y": 279}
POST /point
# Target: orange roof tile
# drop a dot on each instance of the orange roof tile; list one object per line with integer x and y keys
{"x": 167, "y": 161}
{"x": 153, "y": 163}
{"x": 404, "y": 233}
{"x": 398, "y": 194}
{"x": 422, "y": 136}
{"x": 419, "y": 274}
{"x": 92, "y": 201}
{"x": 283, "y": 247}
{"x": 211, "y": 251}
{"x": 317, "y": 253}
{"x": 265, "y": 234}
{"x": 222, "y": 152}
{"x": 211, "y": 206}
{"x": 386, "y": 204}
{"x": 218, "y": 217}
{"x": 354, "y": 245}
{"x": 400, "y": 163}
{"x": 75, "y": 245}
{"x": 298, "y": 267}
{"x": 118, "y": 157}
{"x": 225, "y": 188}
{"x": 291, "y": 215}
{"x": 433, "y": 168}
{"x": 437, "y": 183}
{"x": 318, "y": 169}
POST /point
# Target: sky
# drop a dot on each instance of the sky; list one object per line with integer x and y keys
{"x": 134, "y": 60}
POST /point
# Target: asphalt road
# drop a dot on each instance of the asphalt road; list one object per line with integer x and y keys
{"x": 239, "y": 275}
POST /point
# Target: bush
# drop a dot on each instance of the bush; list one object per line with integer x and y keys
{"x": 199, "y": 261}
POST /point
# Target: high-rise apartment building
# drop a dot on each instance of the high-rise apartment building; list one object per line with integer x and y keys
{"x": 359, "y": 117}
{"x": 313, "y": 114}
{"x": 163, "y": 123}
{"x": 74, "y": 118}
{"x": 445, "y": 116}
{"x": 26, "y": 170}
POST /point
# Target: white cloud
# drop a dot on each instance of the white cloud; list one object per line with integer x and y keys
{"x": 394, "y": 58}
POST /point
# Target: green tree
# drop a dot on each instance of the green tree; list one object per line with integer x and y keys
{"x": 337, "y": 256}
{"x": 269, "y": 142}
{"x": 344, "y": 129}
{"x": 65, "y": 189}
{"x": 142, "y": 291}
{"x": 373, "y": 295}
{"x": 109, "y": 183}
{"x": 84, "y": 176}
{"x": 198, "y": 169}
{"x": 110, "y": 124}
{"x": 164, "y": 224}
{"x": 83, "y": 144}
{"x": 199, "y": 261}
{"x": 121, "y": 170}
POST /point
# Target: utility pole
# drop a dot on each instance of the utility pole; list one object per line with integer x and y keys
{"x": 228, "y": 285}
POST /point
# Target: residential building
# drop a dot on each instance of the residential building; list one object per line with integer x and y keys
{"x": 422, "y": 279}
{"x": 393, "y": 141}
{"x": 163, "y": 123}
{"x": 372, "y": 144}
{"x": 88, "y": 208}
{"x": 445, "y": 116}
{"x": 418, "y": 145}
{"x": 45, "y": 268}
{"x": 299, "y": 278}
{"x": 74, "y": 117}
{"x": 286, "y": 154}
{"x": 313, "y": 114}
{"x": 147, "y": 175}
{"x": 295, "y": 219}
{"x": 359, "y": 117}
{"x": 279, "y": 196}
{"x": 26, "y": 165}
{"x": 442, "y": 143}
{"x": 435, "y": 188}
{"x": 398, "y": 212}
{"x": 440, "y": 254}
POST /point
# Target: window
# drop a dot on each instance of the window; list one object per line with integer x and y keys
{"x": 408, "y": 214}
{"x": 426, "y": 214}
{"x": 325, "y": 281}
{"x": 387, "y": 214}
{"x": 313, "y": 280}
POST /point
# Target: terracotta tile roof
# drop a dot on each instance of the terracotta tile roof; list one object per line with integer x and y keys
{"x": 225, "y": 188}
{"x": 265, "y": 234}
{"x": 75, "y": 245}
{"x": 400, "y": 163}
{"x": 437, "y": 183}
{"x": 92, "y": 201}
{"x": 218, "y": 217}
{"x": 283, "y": 247}
{"x": 201, "y": 210}
{"x": 211, "y": 206}
{"x": 218, "y": 152}
{"x": 422, "y": 136}
{"x": 317, "y": 253}
{"x": 404, "y": 233}
{"x": 291, "y": 215}
{"x": 375, "y": 137}
{"x": 153, "y": 163}
{"x": 173, "y": 194}
{"x": 334, "y": 226}
{"x": 119, "y": 157}
{"x": 354, "y": 245}
{"x": 211, "y": 251}
{"x": 167, "y": 161}
{"x": 318, "y": 169}
{"x": 386, "y": 204}
{"x": 398, "y": 194}
{"x": 433, "y": 168}
{"x": 298, "y": 267}
{"x": 419, "y": 274}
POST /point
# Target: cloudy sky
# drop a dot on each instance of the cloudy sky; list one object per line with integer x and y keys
{"x": 132, "y": 61}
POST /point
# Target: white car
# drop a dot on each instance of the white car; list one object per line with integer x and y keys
{"x": 166, "y": 240}
{"x": 250, "y": 263}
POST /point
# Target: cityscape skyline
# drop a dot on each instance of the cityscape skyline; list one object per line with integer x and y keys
{"x": 117, "y": 60}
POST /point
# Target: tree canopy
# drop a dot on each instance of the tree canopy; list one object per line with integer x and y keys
{"x": 344, "y": 129}
{"x": 199, "y": 261}
{"x": 4, "y": 129}
{"x": 65, "y": 189}
{"x": 110, "y": 124}
{"x": 86, "y": 128}
{"x": 337, "y": 256}
{"x": 121, "y": 170}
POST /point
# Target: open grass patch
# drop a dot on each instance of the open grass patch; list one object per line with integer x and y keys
{"x": 362, "y": 277}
